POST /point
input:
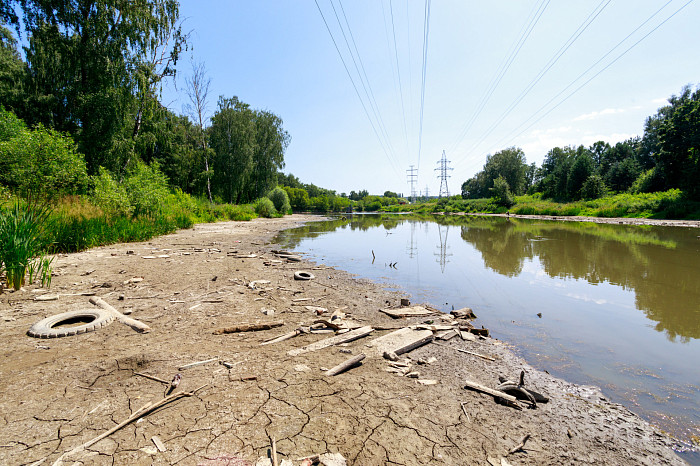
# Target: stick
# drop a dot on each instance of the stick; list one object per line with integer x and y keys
{"x": 148, "y": 409}
{"x": 274, "y": 452}
{"x": 490, "y": 391}
{"x": 249, "y": 327}
{"x": 462, "y": 403}
{"x": 343, "y": 366}
{"x": 133, "y": 323}
{"x": 152, "y": 378}
{"x": 286, "y": 336}
{"x": 519, "y": 446}
{"x": 198, "y": 363}
{"x": 467, "y": 352}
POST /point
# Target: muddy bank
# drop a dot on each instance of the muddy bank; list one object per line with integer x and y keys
{"x": 614, "y": 220}
{"x": 60, "y": 393}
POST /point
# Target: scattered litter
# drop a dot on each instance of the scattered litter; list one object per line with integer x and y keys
{"x": 349, "y": 336}
{"x": 253, "y": 285}
{"x": 302, "y": 368}
{"x": 415, "y": 311}
{"x": 427, "y": 381}
{"x": 47, "y": 297}
{"x": 133, "y": 280}
{"x": 158, "y": 443}
{"x": 268, "y": 312}
{"x": 303, "y": 275}
{"x": 149, "y": 450}
{"x": 198, "y": 363}
{"x": 346, "y": 365}
{"x": 148, "y": 257}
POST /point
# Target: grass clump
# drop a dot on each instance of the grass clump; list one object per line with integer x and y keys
{"x": 22, "y": 245}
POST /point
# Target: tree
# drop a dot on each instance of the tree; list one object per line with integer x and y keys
{"x": 271, "y": 140}
{"x": 12, "y": 73}
{"x": 580, "y": 171}
{"x": 197, "y": 90}
{"x": 501, "y": 192}
{"x": 511, "y": 165}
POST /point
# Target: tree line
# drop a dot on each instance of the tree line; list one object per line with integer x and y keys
{"x": 667, "y": 156}
{"x": 91, "y": 77}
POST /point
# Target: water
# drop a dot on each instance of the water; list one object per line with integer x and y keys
{"x": 619, "y": 305}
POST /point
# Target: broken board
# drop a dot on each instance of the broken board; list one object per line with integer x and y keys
{"x": 415, "y": 311}
{"x": 336, "y": 340}
{"x": 400, "y": 338}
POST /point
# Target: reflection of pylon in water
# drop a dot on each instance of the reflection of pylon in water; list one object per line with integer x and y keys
{"x": 412, "y": 249}
{"x": 443, "y": 248}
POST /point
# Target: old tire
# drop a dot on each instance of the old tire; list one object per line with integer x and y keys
{"x": 93, "y": 318}
{"x": 303, "y": 275}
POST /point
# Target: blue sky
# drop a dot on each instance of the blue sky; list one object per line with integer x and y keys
{"x": 278, "y": 55}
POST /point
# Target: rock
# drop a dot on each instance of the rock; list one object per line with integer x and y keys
{"x": 268, "y": 312}
{"x": 332, "y": 459}
{"x": 390, "y": 355}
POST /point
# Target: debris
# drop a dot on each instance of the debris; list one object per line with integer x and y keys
{"x": 133, "y": 280}
{"x": 249, "y": 327}
{"x": 464, "y": 313}
{"x": 395, "y": 340}
{"x": 519, "y": 446}
{"x": 133, "y": 323}
{"x": 539, "y": 314}
{"x": 253, "y": 285}
{"x": 346, "y": 337}
{"x": 427, "y": 382}
{"x": 430, "y": 360}
{"x": 519, "y": 387}
{"x": 152, "y": 378}
{"x": 390, "y": 355}
{"x": 484, "y": 332}
{"x": 405, "y": 302}
{"x": 268, "y": 312}
{"x": 303, "y": 275}
{"x": 348, "y": 364}
{"x": 229, "y": 365}
{"x": 413, "y": 345}
{"x": 194, "y": 364}
{"x": 413, "y": 375}
{"x": 144, "y": 411}
{"x": 415, "y": 311}
{"x": 286, "y": 336}
{"x": 249, "y": 377}
{"x": 492, "y": 392}
{"x": 175, "y": 382}
{"x": 158, "y": 443}
{"x": 447, "y": 335}
{"x": 47, "y": 297}
{"x": 302, "y": 368}
{"x": 489, "y": 358}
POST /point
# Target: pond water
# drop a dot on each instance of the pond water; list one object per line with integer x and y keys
{"x": 619, "y": 304}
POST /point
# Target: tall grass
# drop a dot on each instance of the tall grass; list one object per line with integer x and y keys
{"x": 22, "y": 246}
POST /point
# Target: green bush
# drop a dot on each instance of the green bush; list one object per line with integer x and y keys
{"x": 147, "y": 188}
{"x": 110, "y": 195}
{"x": 22, "y": 245}
{"x": 265, "y": 208}
{"x": 280, "y": 199}
{"x": 39, "y": 164}
{"x": 501, "y": 192}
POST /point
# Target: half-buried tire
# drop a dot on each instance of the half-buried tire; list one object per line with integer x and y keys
{"x": 71, "y": 323}
{"x": 303, "y": 275}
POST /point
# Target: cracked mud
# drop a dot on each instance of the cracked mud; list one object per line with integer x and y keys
{"x": 60, "y": 393}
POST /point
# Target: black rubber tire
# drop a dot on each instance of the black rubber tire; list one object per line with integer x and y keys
{"x": 302, "y": 275}
{"x": 97, "y": 318}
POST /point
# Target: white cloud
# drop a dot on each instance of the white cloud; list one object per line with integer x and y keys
{"x": 662, "y": 101}
{"x": 594, "y": 115}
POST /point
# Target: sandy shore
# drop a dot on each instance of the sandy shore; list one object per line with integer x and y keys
{"x": 60, "y": 393}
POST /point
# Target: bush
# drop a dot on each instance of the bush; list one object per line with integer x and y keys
{"x": 147, "y": 188}
{"x": 110, "y": 195}
{"x": 280, "y": 199}
{"x": 501, "y": 192}
{"x": 265, "y": 208}
{"x": 593, "y": 187}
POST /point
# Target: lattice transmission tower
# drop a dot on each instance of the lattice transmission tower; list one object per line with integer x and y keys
{"x": 443, "y": 169}
{"x": 412, "y": 179}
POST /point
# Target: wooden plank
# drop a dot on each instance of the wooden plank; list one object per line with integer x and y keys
{"x": 158, "y": 443}
{"x": 391, "y": 342}
{"x": 345, "y": 365}
{"x": 336, "y": 340}
{"x": 415, "y": 311}
{"x": 489, "y": 391}
{"x": 415, "y": 344}
{"x": 286, "y": 336}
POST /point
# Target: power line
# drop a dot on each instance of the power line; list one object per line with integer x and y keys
{"x": 398, "y": 71}
{"x": 503, "y": 69}
{"x": 426, "y": 31}
{"x": 552, "y": 61}
{"x": 598, "y": 73}
{"x": 443, "y": 168}
{"x": 412, "y": 179}
{"x": 364, "y": 107}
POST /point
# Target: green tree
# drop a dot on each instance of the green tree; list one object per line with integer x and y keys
{"x": 501, "y": 192}
{"x": 511, "y": 165}
{"x": 12, "y": 72}
{"x": 580, "y": 171}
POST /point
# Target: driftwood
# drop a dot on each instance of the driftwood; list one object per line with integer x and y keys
{"x": 158, "y": 443}
{"x": 490, "y": 391}
{"x": 489, "y": 358}
{"x": 194, "y": 364}
{"x": 274, "y": 452}
{"x": 286, "y": 336}
{"x": 519, "y": 446}
{"x": 345, "y": 365}
{"x": 133, "y": 323}
{"x": 336, "y": 340}
{"x": 414, "y": 345}
{"x": 147, "y": 409}
{"x": 152, "y": 378}
{"x": 249, "y": 327}
{"x": 415, "y": 311}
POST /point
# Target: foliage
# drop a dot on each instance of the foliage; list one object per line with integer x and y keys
{"x": 501, "y": 192}
{"x": 110, "y": 195}
{"x": 265, "y": 208}
{"x": 39, "y": 164}
{"x": 580, "y": 172}
{"x": 22, "y": 230}
{"x": 147, "y": 188}
{"x": 509, "y": 164}
{"x": 298, "y": 198}
{"x": 593, "y": 188}
{"x": 280, "y": 199}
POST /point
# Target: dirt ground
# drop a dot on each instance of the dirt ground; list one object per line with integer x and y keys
{"x": 60, "y": 393}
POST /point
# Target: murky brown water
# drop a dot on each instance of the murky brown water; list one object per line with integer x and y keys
{"x": 619, "y": 305}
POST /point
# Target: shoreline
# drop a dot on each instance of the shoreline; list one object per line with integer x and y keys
{"x": 86, "y": 383}
{"x": 608, "y": 220}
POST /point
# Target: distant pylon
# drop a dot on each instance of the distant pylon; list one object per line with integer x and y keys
{"x": 427, "y": 193}
{"x": 412, "y": 178}
{"x": 443, "y": 168}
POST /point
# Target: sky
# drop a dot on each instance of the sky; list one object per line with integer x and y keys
{"x": 533, "y": 74}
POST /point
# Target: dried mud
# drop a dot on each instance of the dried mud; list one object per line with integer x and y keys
{"x": 59, "y": 393}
